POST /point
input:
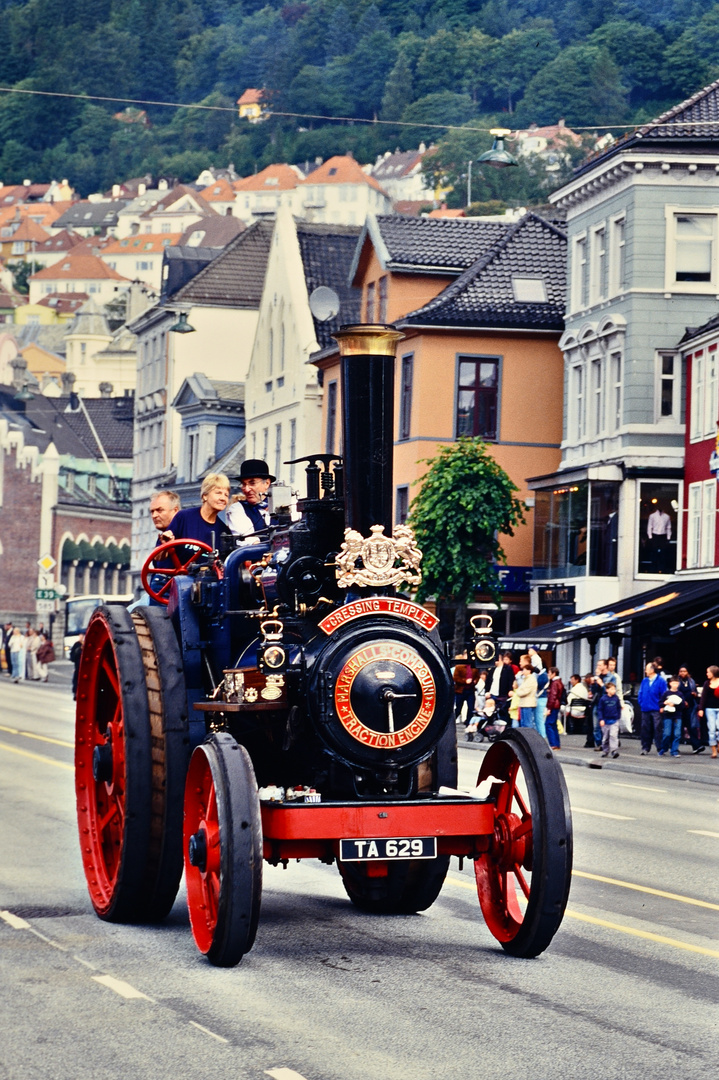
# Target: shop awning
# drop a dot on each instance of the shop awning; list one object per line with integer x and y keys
{"x": 702, "y": 618}
{"x": 677, "y": 597}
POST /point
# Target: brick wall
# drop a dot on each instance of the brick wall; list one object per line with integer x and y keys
{"x": 19, "y": 534}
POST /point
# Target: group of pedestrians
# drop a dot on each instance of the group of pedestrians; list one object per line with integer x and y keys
{"x": 27, "y": 652}
{"x": 529, "y": 695}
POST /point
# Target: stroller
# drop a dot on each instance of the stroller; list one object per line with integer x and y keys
{"x": 487, "y": 726}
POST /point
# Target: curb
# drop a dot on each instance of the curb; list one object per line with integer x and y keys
{"x": 612, "y": 765}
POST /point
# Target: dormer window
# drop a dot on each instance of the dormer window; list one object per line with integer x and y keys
{"x": 529, "y": 290}
{"x": 272, "y": 181}
{"x": 333, "y": 171}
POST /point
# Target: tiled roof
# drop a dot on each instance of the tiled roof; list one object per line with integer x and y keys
{"x": 62, "y": 241}
{"x": 90, "y": 320}
{"x": 229, "y": 391}
{"x": 441, "y": 244}
{"x": 214, "y": 231}
{"x": 88, "y": 215}
{"x": 133, "y": 245}
{"x": 44, "y": 420}
{"x": 64, "y": 303}
{"x": 327, "y": 252}
{"x": 341, "y": 170}
{"x": 236, "y": 277}
{"x": 394, "y": 166}
{"x": 250, "y": 97}
{"x": 692, "y": 332}
{"x": 10, "y": 299}
{"x": 219, "y": 191}
{"x": 273, "y": 178}
{"x": 165, "y": 205}
{"x": 485, "y": 295}
{"x": 29, "y": 230}
{"x": 75, "y": 267}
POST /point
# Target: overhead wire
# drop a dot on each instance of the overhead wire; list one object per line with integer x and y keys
{"x": 340, "y": 119}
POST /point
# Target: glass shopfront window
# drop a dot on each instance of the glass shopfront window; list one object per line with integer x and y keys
{"x": 576, "y": 530}
{"x": 657, "y": 533}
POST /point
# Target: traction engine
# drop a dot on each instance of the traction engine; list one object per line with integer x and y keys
{"x": 284, "y": 701}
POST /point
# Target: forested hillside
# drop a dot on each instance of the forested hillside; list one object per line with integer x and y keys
{"x": 427, "y": 62}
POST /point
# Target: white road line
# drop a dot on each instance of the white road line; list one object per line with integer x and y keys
{"x": 284, "y": 1074}
{"x": 14, "y": 920}
{"x": 639, "y": 787}
{"x": 47, "y": 940}
{"x": 122, "y": 988}
{"x": 601, "y": 813}
{"x": 704, "y": 832}
{"x": 208, "y": 1032}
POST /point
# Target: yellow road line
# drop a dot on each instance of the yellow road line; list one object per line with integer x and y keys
{"x": 704, "y": 832}
{"x": 41, "y": 738}
{"x": 36, "y": 757}
{"x": 646, "y": 889}
{"x": 646, "y": 934}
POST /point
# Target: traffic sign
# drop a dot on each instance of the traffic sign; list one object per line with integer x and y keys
{"x": 45, "y": 594}
{"x": 47, "y": 563}
{"x": 44, "y": 607}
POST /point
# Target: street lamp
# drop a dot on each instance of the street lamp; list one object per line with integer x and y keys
{"x": 182, "y": 326}
{"x": 498, "y": 157}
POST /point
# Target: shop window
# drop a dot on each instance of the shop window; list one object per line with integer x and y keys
{"x": 656, "y": 536}
{"x": 603, "y": 529}
{"x": 477, "y": 391}
{"x": 560, "y": 531}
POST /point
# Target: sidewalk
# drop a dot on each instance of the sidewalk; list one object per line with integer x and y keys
{"x": 701, "y": 768}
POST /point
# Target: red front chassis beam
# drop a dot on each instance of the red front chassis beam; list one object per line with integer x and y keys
{"x": 313, "y": 831}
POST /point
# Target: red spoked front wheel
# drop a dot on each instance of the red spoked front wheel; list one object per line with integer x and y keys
{"x": 223, "y": 850}
{"x": 176, "y": 552}
{"x": 523, "y": 880}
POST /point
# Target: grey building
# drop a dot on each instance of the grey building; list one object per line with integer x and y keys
{"x": 643, "y": 232}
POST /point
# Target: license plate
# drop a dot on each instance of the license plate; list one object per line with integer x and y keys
{"x": 405, "y": 847}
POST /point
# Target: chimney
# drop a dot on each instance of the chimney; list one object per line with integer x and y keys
{"x": 141, "y": 189}
{"x": 105, "y": 389}
{"x": 19, "y": 367}
{"x": 68, "y": 381}
{"x": 116, "y": 191}
{"x": 162, "y": 185}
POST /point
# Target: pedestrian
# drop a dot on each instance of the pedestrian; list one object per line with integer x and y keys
{"x": 500, "y": 685}
{"x": 45, "y": 656}
{"x": 671, "y": 709}
{"x": 527, "y": 692}
{"x": 480, "y": 692}
{"x": 249, "y": 512}
{"x": 608, "y": 711}
{"x": 649, "y": 698}
{"x": 555, "y": 693}
{"x": 17, "y": 655}
{"x": 595, "y": 687}
{"x": 577, "y": 704}
{"x": 32, "y": 645}
{"x": 465, "y": 679}
{"x": 540, "y": 709}
{"x": 75, "y": 654}
{"x": 690, "y": 710}
{"x": 514, "y": 704}
{"x": 610, "y": 673}
{"x": 709, "y": 706}
{"x": 6, "y": 635}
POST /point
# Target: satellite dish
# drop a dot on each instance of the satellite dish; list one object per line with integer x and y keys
{"x": 324, "y": 303}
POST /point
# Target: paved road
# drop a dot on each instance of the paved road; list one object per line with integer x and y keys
{"x": 628, "y": 989}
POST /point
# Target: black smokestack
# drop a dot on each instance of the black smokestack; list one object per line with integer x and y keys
{"x": 368, "y": 354}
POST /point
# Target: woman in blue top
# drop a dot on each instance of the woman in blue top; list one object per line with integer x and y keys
{"x": 201, "y": 522}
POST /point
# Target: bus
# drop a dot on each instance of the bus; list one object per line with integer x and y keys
{"x": 78, "y": 610}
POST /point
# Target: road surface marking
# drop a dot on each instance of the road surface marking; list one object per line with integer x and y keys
{"x": 638, "y": 787}
{"x": 284, "y": 1074}
{"x": 642, "y": 934}
{"x": 601, "y": 813}
{"x": 122, "y": 988}
{"x": 703, "y": 832}
{"x": 36, "y": 757}
{"x": 41, "y": 738}
{"x": 208, "y": 1032}
{"x": 646, "y": 889}
{"x": 14, "y": 920}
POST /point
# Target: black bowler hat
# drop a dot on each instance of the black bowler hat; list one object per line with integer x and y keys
{"x": 254, "y": 468}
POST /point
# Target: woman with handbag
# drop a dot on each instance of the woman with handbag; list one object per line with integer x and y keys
{"x": 45, "y": 655}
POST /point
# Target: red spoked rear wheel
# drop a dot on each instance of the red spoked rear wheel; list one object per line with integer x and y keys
{"x": 176, "y": 551}
{"x": 223, "y": 850}
{"x": 523, "y": 880}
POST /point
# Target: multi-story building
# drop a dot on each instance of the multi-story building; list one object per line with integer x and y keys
{"x": 643, "y": 228}
{"x": 340, "y": 192}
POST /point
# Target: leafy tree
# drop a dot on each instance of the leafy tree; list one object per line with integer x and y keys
{"x": 518, "y": 56}
{"x": 443, "y": 108}
{"x": 466, "y": 503}
{"x": 20, "y": 274}
{"x": 340, "y": 35}
{"x": 398, "y": 90}
{"x": 476, "y": 59}
{"x": 636, "y": 50}
{"x": 693, "y": 59}
{"x": 582, "y": 84}
{"x": 373, "y": 58}
{"x": 440, "y": 66}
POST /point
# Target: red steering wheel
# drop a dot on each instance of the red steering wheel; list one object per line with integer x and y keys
{"x": 178, "y": 567}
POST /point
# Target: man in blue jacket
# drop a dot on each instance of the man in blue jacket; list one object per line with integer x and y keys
{"x": 651, "y": 692}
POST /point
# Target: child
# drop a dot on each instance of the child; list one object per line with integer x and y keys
{"x": 671, "y": 708}
{"x": 514, "y": 703}
{"x": 607, "y": 712}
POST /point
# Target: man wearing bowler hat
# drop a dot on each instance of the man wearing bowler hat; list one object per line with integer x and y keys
{"x": 251, "y": 515}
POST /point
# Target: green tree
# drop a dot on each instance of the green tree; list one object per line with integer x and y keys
{"x": 440, "y": 66}
{"x": 636, "y": 50}
{"x": 582, "y": 84}
{"x": 466, "y": 503}
{"x": 20, "y": 274}
{"x": 518, "y": 56}
{"x": 442, "y": 108}
{"x": 691, "y": 61}
{"x": 398, "y": 90}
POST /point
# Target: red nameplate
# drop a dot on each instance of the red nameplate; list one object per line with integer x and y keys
{"x": 379, "y": 605}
